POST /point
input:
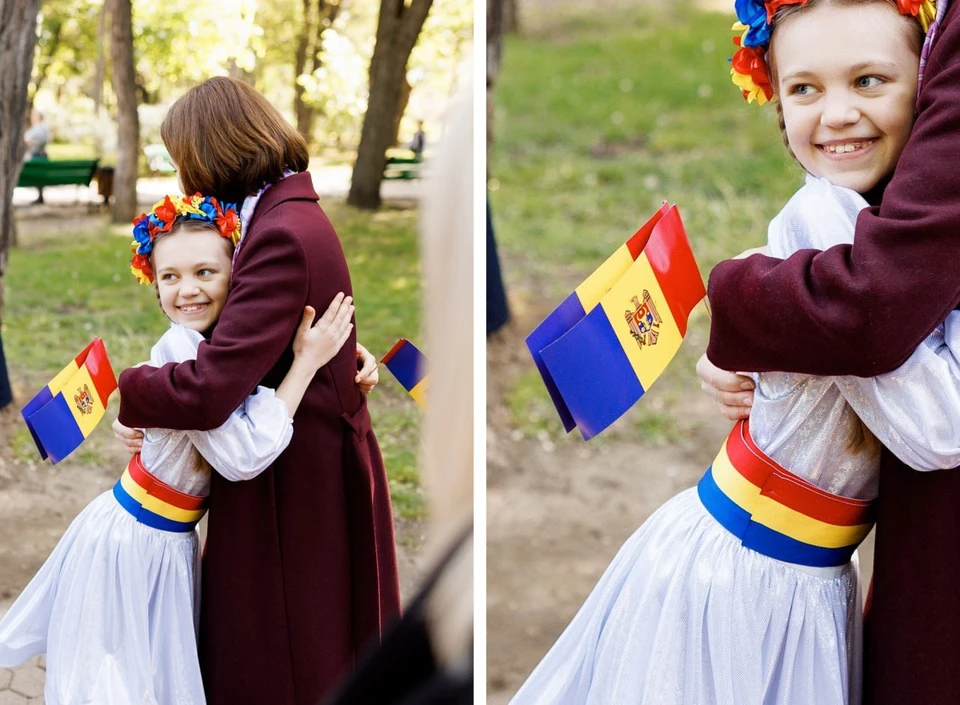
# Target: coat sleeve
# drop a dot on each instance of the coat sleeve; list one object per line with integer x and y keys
{"x": 265, "y": 305}
{"x": 861, "y": 309}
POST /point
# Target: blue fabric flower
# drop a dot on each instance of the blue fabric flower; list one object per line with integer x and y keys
{"x": 140, "y": 232}
{"x": 753, "y": 14}
{"x": 207, "y": 207}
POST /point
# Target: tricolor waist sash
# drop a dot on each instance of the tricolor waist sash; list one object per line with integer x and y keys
{"x": 778, "y": 514}
{"x": 155, "y": 503}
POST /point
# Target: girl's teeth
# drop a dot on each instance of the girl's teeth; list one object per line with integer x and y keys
{"x": 842, "y": 148}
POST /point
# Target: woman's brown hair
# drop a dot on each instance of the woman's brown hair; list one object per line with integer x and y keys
{"x": 227, "y": 140}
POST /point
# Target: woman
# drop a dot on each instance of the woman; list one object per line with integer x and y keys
{"x": 299, "y": 569}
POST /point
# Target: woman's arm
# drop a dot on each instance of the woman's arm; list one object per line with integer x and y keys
{"x": 255, "y": 329}
{"x": 860, "y": 309}
{"x": 254, "y": 435}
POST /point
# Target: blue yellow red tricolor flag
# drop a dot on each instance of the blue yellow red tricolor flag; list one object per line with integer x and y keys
{"x": 409, "y": 366}
{"x": 65, "y": 412}
{"x": 602, "y": 348}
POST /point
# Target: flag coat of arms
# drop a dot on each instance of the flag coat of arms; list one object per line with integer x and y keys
{"x": 409, "y": 366}
{"x": 604, "y": 346}
{"x": 65, "y": 412}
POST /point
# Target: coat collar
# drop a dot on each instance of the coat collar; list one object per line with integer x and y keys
{"x": 298, "y": 187}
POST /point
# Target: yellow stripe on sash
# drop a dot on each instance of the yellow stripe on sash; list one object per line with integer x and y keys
{"x": 156, "y": 505}
{"x": 780, "y": 518}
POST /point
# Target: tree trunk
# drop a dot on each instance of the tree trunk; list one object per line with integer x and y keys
{"x": 494, "y": 50}
{"x": 18, "y": 36}
{"x": 405, "y": 90}
{"x": 511, "y": 17}
{"x": 42, "y": 64}
{"x": 316, "y": 19}
{"x": 300, "y": 108}
{"x": 234, "y": 70}
{"x": 99, "y": 73}
{"x": 397, "y": 31}
{"x": 125, "y": 88}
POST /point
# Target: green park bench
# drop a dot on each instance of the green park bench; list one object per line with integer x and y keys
{"x": 58, "y": 172}
{"x": 402, "y": 168}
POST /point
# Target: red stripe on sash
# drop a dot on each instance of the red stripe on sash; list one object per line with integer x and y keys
{"x": 161, "y": 490}
{"x": 790, "y": 490}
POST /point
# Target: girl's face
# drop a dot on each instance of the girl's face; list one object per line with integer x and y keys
{"x": 192, "y": 267}
{"x": 847, "y": 81}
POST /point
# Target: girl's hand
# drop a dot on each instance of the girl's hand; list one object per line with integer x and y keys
{"x": 752, "y": 251}
{"x": 368, "y": 376}
{"x": 130, "y": 438}
{"x": 316, "y": 344}
{"x": 732, "y": 393}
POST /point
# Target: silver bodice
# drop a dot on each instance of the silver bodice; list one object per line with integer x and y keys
{"x": 810, "y": 424}
{"x": 246, "y": 444}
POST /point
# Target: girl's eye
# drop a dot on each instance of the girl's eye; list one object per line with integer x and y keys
{"x": 205, "y": 272}
{"x": 868, "y": 82}
{"x": 166, "y": 277}
{"x": 801, "y": 89}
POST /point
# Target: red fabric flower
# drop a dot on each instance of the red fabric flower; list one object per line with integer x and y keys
{"x": 143, "y": 264}
{"x": 750, "y": 61}
{"x": 166, "y": 212}
{"x": 774, "y": 5}
{"x": 227, "y": 222}
{"x": 909, "y": 7}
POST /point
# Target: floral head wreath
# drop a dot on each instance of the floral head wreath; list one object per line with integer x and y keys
{"x": 749, "y": 69}
{"x": 223, "y": 216}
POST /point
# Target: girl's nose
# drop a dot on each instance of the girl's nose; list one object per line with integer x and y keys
{"x": 839, "y": 110}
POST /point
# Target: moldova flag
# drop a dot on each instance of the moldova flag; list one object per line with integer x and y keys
{"x": 409, "y": 366}
{"x": 67, "y": 410}
{"x": 604, "y": 346}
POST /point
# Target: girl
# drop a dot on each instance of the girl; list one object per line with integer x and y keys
{"x": 743, "y": 590}
{"x": 114, "y": 606}
{"x": 300, "y": 564}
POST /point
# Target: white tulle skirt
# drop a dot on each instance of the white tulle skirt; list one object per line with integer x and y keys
{"x": 686, "y": 615}
{"x": 115, "y": 610}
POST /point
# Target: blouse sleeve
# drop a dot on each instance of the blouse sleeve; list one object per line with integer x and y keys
{"x": 250, "y": 440}
{"x": 253, "y": 435}
{"x": 915, "y": 410}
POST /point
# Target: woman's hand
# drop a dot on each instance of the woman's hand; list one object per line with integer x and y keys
{"x": 732, "y": 393}
{"x": 315, "y": 344}
{"x": 368, "y": 376}
{"x": 130, "y": 438}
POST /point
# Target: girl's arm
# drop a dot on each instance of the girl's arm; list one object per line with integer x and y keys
{"x": 255, "y": 434}
{"x": 915, "y": 410}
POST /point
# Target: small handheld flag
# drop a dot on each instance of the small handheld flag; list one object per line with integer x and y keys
{"x": 65, "y": 412}
{"x": 583, "y": 299}
{"x": 409, "y": 366}
{"x": 601, "y": 361}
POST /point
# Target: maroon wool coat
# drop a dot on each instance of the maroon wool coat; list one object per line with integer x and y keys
{"x": 862, "y": 310}
{"x": 299, "y": 569}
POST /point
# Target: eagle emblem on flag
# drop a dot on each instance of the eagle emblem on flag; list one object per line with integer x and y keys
{"x": 83, "y": 400}
{"x": 644, "y": 321}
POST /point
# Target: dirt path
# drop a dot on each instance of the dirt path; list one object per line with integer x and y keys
{"x": 556, "y": 517}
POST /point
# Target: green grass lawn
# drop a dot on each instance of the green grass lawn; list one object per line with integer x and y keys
{"x": 65, "y": 286}
{"x": 600, "y": 116}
